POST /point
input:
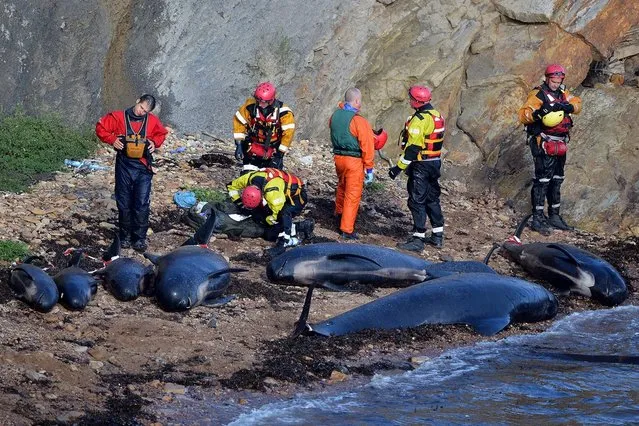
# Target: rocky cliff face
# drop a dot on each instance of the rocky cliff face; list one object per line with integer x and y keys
{"x": 480, "y": 57}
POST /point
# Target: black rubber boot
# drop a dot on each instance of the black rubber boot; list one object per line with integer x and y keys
{"x": 140, "y": 245}
{"x": 557, "y": 222}
{"x": 304, "y": 229}
{"x": 436, "y": 239}
{"x": 540, "y": 225}
{"x": 413, "y": 244}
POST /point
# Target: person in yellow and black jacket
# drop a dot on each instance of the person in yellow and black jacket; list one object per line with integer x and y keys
{"x": 273, "y": 198}
{"x": 546, "y": 115}
{"x": 263, "y": 130}
{"x": 422, "y": 140}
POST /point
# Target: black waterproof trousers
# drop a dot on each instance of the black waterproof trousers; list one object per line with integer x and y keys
{"x": 133, "y": 197}
{"x": 423, "y": 195}
{"x": 549, "y": 175}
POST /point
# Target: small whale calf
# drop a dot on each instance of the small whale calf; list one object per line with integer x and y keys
{"x": 125, "y": 278}
{"x": 33, "y": 285}
{"x": 568, "y": 268}
{"x": 76, "y": 286}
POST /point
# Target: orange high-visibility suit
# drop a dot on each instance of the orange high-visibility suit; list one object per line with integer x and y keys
{"x": 354, "y": 148}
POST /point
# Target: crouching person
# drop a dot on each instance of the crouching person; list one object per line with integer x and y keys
{"x": 272, "y": 198}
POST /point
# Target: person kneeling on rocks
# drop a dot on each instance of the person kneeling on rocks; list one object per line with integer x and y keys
{"x": 263, "y": 205}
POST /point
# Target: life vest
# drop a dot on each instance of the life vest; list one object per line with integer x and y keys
{"x": 265, "y": 131}
{"x": 344, "y": 143}
{"x": 293, "y": 185}
{"x": 432, "y": 144}
{"x": 135, "y": 143}
{"x": 563, "y": 128}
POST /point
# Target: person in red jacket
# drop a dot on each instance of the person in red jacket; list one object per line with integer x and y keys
{"x": 135, "y": 134}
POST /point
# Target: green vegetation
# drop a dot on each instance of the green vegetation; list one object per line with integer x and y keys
{"x": 375, "y": 187}
{"x": 208, "y": 195}
{"x": 11, "y": 250}
{"x": 32, "y": 147}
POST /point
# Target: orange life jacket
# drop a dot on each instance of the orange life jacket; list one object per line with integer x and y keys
{"x": 265, "y": 131}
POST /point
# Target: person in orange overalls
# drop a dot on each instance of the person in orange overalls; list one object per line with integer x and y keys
{"x": 354, "y": 149}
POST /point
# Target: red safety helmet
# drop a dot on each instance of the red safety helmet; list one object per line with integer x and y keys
{"x": 265, "y": 92}
{"x": 381, "y": 136}
{"x": 555, "y": 70}
{"x": 251, "y": 197}
{"x": 419, "y": 96}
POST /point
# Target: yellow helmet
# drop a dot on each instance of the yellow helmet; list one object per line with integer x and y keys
{"x": 552, "y": 118}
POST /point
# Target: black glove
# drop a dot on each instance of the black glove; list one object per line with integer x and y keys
{"x": 566, "y": 107}
{"x": 394, "y": 172}
{"x": 277, "y": 161}
{"x": 239, "y": 155}
{"x": 543, "y": 110}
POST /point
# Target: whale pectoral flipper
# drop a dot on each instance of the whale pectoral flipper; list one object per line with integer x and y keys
{"x": 333, "y": 286}
{"x": 215, "y": 302}
{"x": 490, "y": 326}
{"x": 566, "y": 252}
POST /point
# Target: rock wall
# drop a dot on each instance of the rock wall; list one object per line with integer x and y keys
{"x": 480, "y": 57}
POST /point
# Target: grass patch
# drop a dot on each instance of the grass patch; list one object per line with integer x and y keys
{"x": 33, "y": 147}
{"x": 11, "y": 250}
{"x": 375, "y": 187}
{"x": 209, "y": 195}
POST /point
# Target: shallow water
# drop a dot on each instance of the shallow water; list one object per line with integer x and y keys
{"x": 584, "y": 369}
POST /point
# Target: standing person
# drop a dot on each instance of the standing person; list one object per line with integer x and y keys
{"x": 422, "y": 140}
{"x": 263, "y": 130}
{"x": 354, "y": 149}
{"x": 135, "y": 134}
{"x": 546, "y": 115}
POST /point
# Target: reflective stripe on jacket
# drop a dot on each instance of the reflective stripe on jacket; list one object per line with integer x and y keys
{"x": 425, "y": 135}
{"x": 253, "y": 124}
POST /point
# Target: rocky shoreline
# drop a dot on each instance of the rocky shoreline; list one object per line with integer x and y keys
{"x": 119, "y": 362}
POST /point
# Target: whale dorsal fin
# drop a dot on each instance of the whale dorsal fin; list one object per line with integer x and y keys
{"x": 113, "y": 250}
{"x": 350, "y": 257}
{"x": 566, "y": 252}
{"x": 203, "y": 233}
{"x": 152, "y": 257}
{"x": 490, "y": 326}
{"x": 332, "y": 286}
{"x": 76, "y": 257}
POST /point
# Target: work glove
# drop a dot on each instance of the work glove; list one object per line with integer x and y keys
{"x": 369, "y": 177}
{"x": 394, "y": 172}
{"x": 239, "y": 155}
{"x": 277, "y": 161}
{"x": 287, "y": 241}
{"x": 566, "y": 107}
{"x": 543, "y": 110}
